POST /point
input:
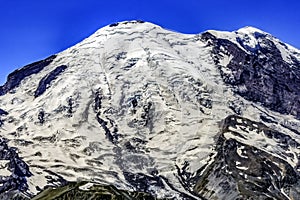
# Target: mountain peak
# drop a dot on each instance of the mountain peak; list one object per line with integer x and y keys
{"x": 250, "y": 30}
{"x": 180, "y": 116}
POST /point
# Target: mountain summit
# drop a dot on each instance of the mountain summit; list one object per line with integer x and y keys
{"x": 179, "y": 116}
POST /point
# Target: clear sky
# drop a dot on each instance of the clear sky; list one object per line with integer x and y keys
{"x": 31, "y": 30}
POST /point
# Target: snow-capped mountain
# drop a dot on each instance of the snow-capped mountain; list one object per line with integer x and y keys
{"x": 180, "y": 116}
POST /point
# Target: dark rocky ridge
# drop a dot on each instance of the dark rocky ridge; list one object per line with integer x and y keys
{"x": 252, "y": 173}
{"x": 102, "y": 192}
{"x": 3, "y": 112}
{"x": 47, "y": 80}
{"x": 19, "y": 169}
{"x": 73, "y": 190}
{"x": 260, "y": 75}
{"x": 15, "y": 78}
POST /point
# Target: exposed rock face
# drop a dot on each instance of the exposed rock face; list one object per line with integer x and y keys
{"x": 242, "y": 171}
{"x": 3, "y": 112}
{"x": 167, "y": 115}
{"x": 260, "y": 74}
{"x": 47, "y": 80}
{"x": 15, "y": 78}
{"x": 13, "y": 170}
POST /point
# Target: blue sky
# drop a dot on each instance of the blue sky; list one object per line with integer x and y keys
{"x": 34, "y": 29}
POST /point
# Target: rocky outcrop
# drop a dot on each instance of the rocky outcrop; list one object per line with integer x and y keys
{"x": 244, "y": 171}
{"x": 47, "y": 80}
{"x": 15, "y": 78}
{"x": 14, "y": 171}
{"x": 260, "y": 75}
{"x": 3, "y": 112}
